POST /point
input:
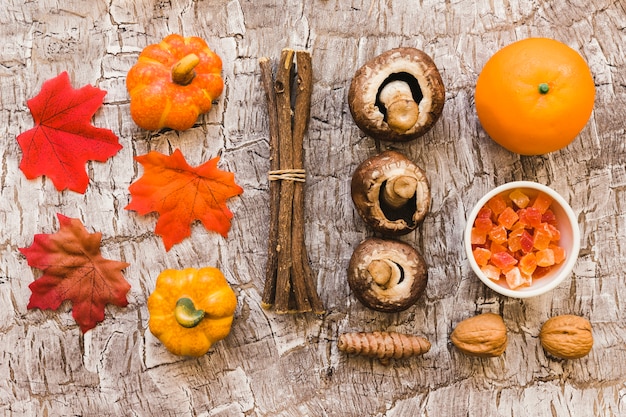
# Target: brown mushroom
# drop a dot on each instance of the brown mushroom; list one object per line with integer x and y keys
{"x": 387, "y": 275}
{"x": 391, "y": 193}
{"x": 397, "y": 96}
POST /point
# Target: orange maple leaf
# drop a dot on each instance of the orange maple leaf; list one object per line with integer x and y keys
{"x": 75, "y": 270}
{"x": 182, "y": 194}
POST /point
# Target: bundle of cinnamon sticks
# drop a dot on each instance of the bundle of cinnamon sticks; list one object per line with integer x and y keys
{"x": 289, "y": 283}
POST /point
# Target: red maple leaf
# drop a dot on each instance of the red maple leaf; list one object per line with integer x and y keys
{"x": 75, "y": 270}
{"x": 63, "y": 139}
{"x": 182, "y": 194}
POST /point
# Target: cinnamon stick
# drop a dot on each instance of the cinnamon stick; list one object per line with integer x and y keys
{"x": 269, "y": 290}
{"x": 302, "y": 112}
{"x": 290, "y": 282}
{"x": 282, "y": 88}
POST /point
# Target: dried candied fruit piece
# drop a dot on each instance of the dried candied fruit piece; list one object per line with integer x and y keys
{"x": 498, "y": 234}
{"x": 496, "y": 247}
{"x": 541, "y": 271}
{"x": 542, "y": 202}
{"x": 482, "y": 256}
{"x": 514, "y": 239}
{"x": 491, "y": 271}
{"x": 483, "y": 224}
{"x": 484, "y": 213}
{"x": 554, "y": 233}
{"x": 519, "y": 198}
{"x": 559, "y": 254}
{"x": 497, "y": 204}
{"x": 530, "y": 217}
{"x": 526, "y": 241}
{"x": 503, "y": 260}
{"x": 507, "y": 218}
{"x": 541, "y": 239}
{"x": 545, "y": 257}
{"x": 514, "y": 243}
{"x": 515, "y": 279}
{"x": 549, "y": 217}
{"x": 478, "y": 237}
{"x": 528, "y": 263}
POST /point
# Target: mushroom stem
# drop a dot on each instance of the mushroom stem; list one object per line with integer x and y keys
{"x": 399, "y": 190}
{"x": 380, "y": 271}
{"x": 183, "y": 71}
{"x": 402, "y": 110}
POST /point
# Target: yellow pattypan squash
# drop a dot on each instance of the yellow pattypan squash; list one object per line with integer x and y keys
{"x": 191, "y": 309}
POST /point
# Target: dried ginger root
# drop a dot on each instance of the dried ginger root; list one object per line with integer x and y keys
{"x": 383, "y": 345}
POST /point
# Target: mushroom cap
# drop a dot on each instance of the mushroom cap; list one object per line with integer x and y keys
{"x": 371, "y": 77}
{"x": 367, "y": 185}
{"x": 406, "y": 285}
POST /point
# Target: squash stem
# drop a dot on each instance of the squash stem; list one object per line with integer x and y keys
{"x": 186, "y": 313}
{"x": 183, "y": 71}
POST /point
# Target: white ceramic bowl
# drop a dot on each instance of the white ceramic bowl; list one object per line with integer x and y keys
{"x": 570, "y": 241}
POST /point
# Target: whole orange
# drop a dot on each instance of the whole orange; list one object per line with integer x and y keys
{"x": 534, "y": 96}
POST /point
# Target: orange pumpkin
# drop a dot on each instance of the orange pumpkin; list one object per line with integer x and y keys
{"x": 191, "y": 309}
{"x": 173, "y": 82}
{"x": 534, "y": 96}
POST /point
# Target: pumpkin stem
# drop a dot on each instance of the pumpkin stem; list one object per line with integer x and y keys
{"x": 182, "y": 71}
{"x": 186, "y": 313}
{"x": 544, "y": 88}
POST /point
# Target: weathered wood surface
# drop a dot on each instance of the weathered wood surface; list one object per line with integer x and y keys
{"x": 289, "y": 365}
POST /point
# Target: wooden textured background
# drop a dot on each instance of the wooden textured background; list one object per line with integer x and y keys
{"x": 289, "y": 365}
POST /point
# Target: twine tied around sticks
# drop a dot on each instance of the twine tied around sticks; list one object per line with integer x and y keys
{"x": 298, "y": 175}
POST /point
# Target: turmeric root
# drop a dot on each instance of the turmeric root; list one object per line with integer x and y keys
{"x": 383, "y": 345}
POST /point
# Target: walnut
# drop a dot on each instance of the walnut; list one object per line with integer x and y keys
{"x": 567, "y": 336}
{"x": 483, "y": 335}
